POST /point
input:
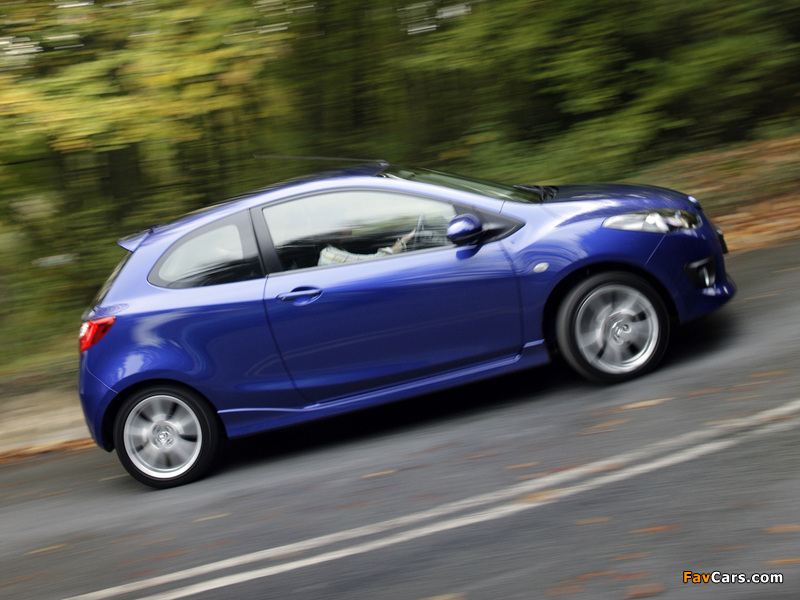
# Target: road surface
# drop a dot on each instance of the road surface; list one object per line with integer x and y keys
{"x": 530, "y": 486}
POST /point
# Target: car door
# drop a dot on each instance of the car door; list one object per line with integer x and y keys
{"x": 377, "y": 317}
{"x": 210, "y": 309}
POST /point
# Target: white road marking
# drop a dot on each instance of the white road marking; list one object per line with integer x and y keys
{"x": 759, "y": 424}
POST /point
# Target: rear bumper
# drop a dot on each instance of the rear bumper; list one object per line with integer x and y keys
{"x": 95, "y": 398}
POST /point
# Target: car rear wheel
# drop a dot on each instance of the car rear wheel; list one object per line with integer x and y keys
{"x": 166, "y": 436}
{"x": 612, "y": 327}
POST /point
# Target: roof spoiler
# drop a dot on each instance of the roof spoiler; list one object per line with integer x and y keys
{"x": 133, "y": 241}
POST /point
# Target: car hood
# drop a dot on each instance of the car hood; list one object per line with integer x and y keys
{"x": 640, "y": 195}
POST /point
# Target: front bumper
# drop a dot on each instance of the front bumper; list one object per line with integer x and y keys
{"x": 691, "y": 267}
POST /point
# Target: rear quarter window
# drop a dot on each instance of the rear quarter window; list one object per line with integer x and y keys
{"x": 222, "y": 252}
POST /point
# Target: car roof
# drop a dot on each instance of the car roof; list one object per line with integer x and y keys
{"x": 369, "y": 169}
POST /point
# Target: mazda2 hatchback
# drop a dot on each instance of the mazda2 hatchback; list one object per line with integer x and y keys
{"x": 375, "y": 283}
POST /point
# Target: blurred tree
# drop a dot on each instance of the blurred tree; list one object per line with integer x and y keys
{"x": 596, "y": 86}
{"x": 117, "y": 115}
{"x": 124, "y": 113}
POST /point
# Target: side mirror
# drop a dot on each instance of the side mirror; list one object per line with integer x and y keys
{"x": 464, "y": 230}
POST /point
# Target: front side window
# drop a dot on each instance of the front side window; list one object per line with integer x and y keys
{"x": 222, "y": 252}
{"x": 355, "y": 226}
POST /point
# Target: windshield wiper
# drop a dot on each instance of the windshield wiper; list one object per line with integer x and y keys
{"x": 545, "y": 192}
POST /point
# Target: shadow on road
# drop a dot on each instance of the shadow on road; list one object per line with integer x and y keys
{"x": 702, "y": 337}
{"x": 690, "y": 342}
{"x": 394, "y": 417}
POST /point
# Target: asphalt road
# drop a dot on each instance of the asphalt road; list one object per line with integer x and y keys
{"x": 529, "y": 486}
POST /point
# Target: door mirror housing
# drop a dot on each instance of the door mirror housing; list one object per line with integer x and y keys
{"x": 464, "y": 230}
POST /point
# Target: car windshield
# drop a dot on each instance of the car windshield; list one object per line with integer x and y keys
{"x": 467, "y": 184}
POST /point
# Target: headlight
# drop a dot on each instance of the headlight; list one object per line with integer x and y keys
{"x": 654, "y": 221}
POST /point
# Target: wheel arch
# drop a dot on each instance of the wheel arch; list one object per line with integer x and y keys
{"x": 570, "y": 280}
{"x": 110, "y": 415}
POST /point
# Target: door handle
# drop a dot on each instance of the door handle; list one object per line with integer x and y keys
{"x": 301, "y": 295}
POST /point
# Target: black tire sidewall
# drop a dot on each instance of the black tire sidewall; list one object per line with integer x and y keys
{"x": 566, "y": 317}
{"x": 208, "y": 426}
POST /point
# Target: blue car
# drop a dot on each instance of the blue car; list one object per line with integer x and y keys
{"x": 374, "y": 283}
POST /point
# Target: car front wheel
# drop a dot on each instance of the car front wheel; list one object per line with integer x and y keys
{"x": 166, "y": 436}
{"x": 612, "y": 327}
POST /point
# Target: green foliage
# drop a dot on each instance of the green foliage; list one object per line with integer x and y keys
{"x": 117, "y": 115}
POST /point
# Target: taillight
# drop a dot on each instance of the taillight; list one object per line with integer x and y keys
{"x": 94, "y": 330}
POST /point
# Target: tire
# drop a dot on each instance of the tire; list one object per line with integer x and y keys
{"x": 166, "y": 436}
{"x": 612, "y": 327}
